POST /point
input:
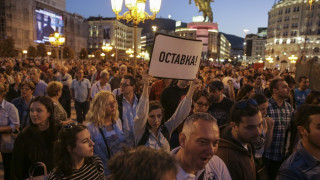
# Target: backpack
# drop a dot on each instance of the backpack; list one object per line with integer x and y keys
{"x": 146, "y": 135}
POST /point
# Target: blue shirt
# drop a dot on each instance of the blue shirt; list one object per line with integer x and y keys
{"x": 300, "y": 96}
{"x": 9, "y": 115}
{"x": 282, "y": 117}
{"x": 40, "y": 89}
{"x": 81, "y": 89}
{"x": 128, "y": 113}
{"x": 301, "y": 165}
{"x": 23, "y": 110}
{"x": 117, "y": 140}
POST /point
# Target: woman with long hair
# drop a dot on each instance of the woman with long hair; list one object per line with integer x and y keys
{"x": 35, "y": 142}
{"x": 149, "y": 128}
{"x": 74, "y": 155}
{"x": 105, "y": 127}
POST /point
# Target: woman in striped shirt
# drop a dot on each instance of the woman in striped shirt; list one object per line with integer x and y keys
{"x": 74, "y": 155}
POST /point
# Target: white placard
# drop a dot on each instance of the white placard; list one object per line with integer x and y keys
{"x": 174, "y": 57}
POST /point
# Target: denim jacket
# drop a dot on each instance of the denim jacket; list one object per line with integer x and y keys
{"x": 300, "y": 166}
{"x": 121, "y": 138}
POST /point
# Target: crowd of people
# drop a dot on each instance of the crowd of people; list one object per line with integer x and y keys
{"x": 228, "y": 123}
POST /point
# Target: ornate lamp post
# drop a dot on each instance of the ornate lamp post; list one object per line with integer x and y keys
{"x": 136, "y": 14}
{"x": 57, "y": 40}
{"x": 106, "y": 48}
{"x": 25, "y": 52}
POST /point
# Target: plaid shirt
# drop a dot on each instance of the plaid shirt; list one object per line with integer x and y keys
{"x": 282, "y": 117}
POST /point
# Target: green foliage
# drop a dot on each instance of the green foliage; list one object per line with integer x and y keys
{"x": 83, "y": 53}
{"x": 68, "y": 53}
{"x": 32, "y": 51}
{"x": 54, "y": 53}
{"x": 7, "y": 48}
{"x": 41, "y": 50}
{"x": 97, "y": 54}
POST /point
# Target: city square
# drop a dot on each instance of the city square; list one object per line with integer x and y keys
{"x": 159, "y": 89}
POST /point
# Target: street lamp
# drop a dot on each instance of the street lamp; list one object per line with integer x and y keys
{"x": 245, "y": 46}
{"x": 57, "y": 40}
{"x": 293, "y": 59}
{"x": 48, "y": 54}
{"x": 24, "y": 52}
{"x": 136, "y": 14}
{"x": 106, "y": 48}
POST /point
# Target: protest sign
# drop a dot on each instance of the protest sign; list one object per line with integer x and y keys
{"x": 174, "y": 57}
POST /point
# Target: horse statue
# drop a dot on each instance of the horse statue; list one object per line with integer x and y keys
{"x": 205, "y": 8}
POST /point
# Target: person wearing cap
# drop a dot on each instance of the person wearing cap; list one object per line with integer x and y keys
{"x": 220, "y": 105}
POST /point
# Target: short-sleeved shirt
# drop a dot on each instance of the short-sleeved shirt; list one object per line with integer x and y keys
{"x": 9, "y": 115}
{"x": 40, "y": 89}
{"x": 221, "y": 110}
{"x": 300, "y": 96}
{"x": 81, "y": 89}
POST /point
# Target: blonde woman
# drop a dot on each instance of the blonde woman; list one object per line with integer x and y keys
{"x": 105, "y": 127}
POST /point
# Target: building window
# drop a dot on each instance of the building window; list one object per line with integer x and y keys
{"x": 285, "y": 33}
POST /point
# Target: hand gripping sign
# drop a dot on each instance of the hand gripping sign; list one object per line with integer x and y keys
{"x": 174, "y": 57}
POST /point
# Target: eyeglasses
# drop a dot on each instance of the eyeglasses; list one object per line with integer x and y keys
{"x": 124, "y": 84}
{"x": 202, "y": 104}
{"x": 112, "y": 103}
{"x": 70, "y": 125}
{"x": 245, "y": 104}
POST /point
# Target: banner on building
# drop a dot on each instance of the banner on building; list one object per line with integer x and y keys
{"x": 174, "y": 57}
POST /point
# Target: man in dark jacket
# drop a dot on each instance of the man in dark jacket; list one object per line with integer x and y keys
{"x": 235, "y": 144}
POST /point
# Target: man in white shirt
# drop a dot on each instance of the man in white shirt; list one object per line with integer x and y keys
{"x": 198, "y": 143}
{"x": 102, "y": 84}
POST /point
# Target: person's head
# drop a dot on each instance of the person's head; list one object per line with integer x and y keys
{"x": 27, "y": 88}
{"x": 3, "y": 78}
{"x": 262, "y": 102}
{"x": 104, "y": 104}
{"x": 123, "y": 70}
{"x": 313, "y": 98}
{"x": 279, "y": 88}
{"x": 35, "y": 74}
{"x": 17, "y": 76}
{"x": 140, "y": 70}
{"x": 215, "y": 89}
{"x": 290, "y": 81}
{"x": 104, "y": 76}
{"x": 183, "y": 84}
{"x": 54, "y": 89}
{"x": 155, "y": 115}
{"x": 245, "y": 92}
{"x": 41, "y": 112}
{"x": 307, "y": 119}
{"x": 199, "y": 140}
{"x": 127, "y": 84}
{"x": 200, "y": 101}
{"x": 304, "y": 82}
{"x": 74, "y": 142}
{"x": 219, "y": 75}
{"x": 64, "y": 70}
{"x": 4, "y": 89}
{"x": 142, "y": 163}
{"x": 80, "y": 74}
{"x": 257, "y": 79}
{"x": 246, "y": 121}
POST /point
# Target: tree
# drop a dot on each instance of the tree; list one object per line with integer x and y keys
{"x": 32, "y": 51}
{"x": 7, "y": 48}
{"x": 41, "y": 50}
{"x": 97, "y": 54}
{"x": 68, "y": 53}
{"x": 83, "y": 53}
{"x": 54, "y": 53}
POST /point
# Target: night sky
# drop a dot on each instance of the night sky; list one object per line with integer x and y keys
{"x": 232, "y": 15}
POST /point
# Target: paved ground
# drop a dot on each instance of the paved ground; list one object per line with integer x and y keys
{"x": 73, "y": 116}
